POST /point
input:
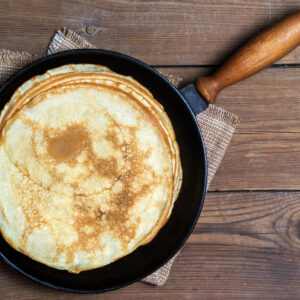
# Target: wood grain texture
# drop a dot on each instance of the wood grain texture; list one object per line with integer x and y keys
{"x": 265, "y": 151}
{"x": 185, "y": 32}
{"x": 245, "y": 246}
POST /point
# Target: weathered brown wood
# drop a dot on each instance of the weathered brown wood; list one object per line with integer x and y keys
{"x": 265, "y": 150}
{"x": 160, "y": 32}
{"x": 261, "y": 161}
{"x": 268, "y": 102}
{"x": 245, "y": 246}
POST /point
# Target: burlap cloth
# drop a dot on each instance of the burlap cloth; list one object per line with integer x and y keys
{"x": 217, "y": 125}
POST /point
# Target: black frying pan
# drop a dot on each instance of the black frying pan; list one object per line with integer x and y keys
{"x": 258, "y": 53}
{"x": 169, "y": 240}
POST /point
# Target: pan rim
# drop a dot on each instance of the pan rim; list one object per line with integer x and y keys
{"x": 44, "y": 59}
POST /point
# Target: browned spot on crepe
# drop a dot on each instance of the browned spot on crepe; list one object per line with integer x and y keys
{"x": 67, "y": 144}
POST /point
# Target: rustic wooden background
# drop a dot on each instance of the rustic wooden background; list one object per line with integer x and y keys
{"x": 247, "y": 242}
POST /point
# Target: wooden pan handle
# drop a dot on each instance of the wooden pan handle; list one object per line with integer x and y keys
{"x": 260, "y": 52}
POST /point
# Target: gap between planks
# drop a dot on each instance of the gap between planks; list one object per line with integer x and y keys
{"x": 274, "y": 66}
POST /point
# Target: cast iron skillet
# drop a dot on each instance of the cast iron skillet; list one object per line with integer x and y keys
{"x": 260, "y": 52}
{"x": 148, "y": 258}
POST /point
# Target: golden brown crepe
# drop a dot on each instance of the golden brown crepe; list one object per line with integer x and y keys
{"x": 90, "y": 167}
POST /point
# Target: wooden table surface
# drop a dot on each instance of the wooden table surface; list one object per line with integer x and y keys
{"x": 247, "y": 242}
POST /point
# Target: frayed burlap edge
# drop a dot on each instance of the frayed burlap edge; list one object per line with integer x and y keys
{"x": 66, "y": 39}
{"x": 16, "y": 59}
{"x": 12, "y": 61}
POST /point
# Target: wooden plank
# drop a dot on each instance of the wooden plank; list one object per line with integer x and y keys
{"x": 166, "y": 32}
{"x": 268, "y": 102}
{"x": 265, "y": 151}
{"x": 245, "y": 246}
{"x": 261, "y": 161}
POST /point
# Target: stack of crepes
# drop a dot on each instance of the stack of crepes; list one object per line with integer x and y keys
{"x": 90, "y": 167}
